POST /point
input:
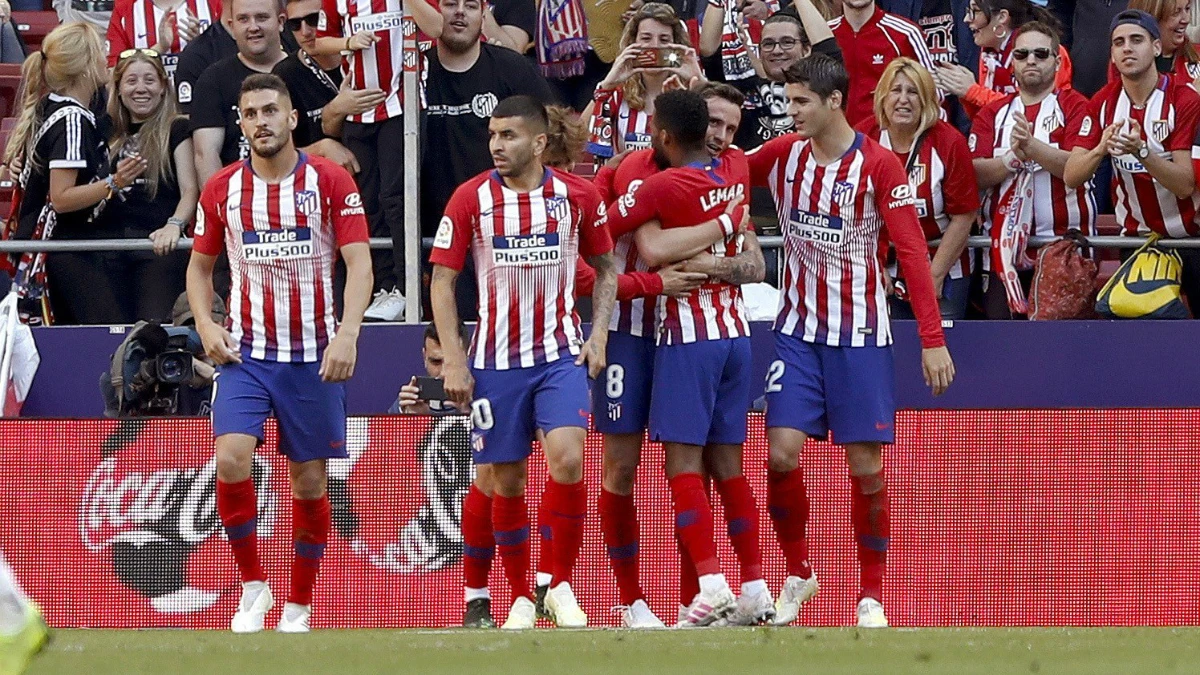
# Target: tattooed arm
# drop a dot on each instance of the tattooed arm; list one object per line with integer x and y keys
{"x": 747, "y": 267}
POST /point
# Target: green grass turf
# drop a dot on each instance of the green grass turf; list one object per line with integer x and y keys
{"x": 724, "y": 651}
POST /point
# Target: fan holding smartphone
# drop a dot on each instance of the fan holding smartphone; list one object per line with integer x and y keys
{"x": 424, "y": 394}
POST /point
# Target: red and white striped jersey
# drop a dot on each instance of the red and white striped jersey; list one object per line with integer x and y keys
{"x": 635, "y": 317}
{"x": 943, "y": 178}
{"x": 882, "y": 38}
{"x": 831, "y": 216}
{"x": 282, "y": 240}
{"x": 134, "y": 24}
{"x": 380, "y": 66}
{"x": 615, "y": 127}
{"x": 1056, "y": 208}
{"x": 525, "y": 246}
{"x": 1169, "y": 122}
{"x": 683, "y": 197}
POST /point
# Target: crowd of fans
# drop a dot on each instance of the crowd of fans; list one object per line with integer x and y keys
{"x": 129, "y": 107}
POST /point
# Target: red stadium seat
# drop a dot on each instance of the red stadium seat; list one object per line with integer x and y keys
{"x": 34, "y": 26}
{"x": 7, "y": 124}
{"x": 1106, "y": 225}
{"x": 10, "y": 88}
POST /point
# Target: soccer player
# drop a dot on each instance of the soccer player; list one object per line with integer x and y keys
{"x": 1148, "y": 124}
{"x": 834, "y": 373}
{"x": 22, "y": 630}
{"x": 526, "y": 224}
{"x": 283, "y": 217}
{"x": 702, "y": 357}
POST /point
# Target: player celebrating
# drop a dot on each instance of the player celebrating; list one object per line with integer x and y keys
{"x": 525, "y": 225}
{"x": 283, "y": 217}
{"x": 834, "y": 373}
{"x": 703, "y": 338}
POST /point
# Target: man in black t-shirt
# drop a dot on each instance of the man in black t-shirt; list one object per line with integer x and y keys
{"x": 506, "y": 23}
{"x": 215, "y": 44}
{"x": 216, "y": 135}
{"x": 315, "y": 82}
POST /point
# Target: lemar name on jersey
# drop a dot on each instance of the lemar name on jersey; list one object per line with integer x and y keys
{"x": 268, "y": 246}
{"x": 526, "y": 249}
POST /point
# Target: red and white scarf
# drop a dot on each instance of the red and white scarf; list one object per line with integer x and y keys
{"x": 562, "y": 39}
{"x": 1010, "y": 238}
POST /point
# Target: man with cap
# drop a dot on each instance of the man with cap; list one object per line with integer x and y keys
{"x": 1147, "y": 123}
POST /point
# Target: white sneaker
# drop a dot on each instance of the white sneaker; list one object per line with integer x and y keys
{"x": 870, "y": 614}
{"x": 386, "y": 306}
{"x": 252, "y": 608}
{"x": 563, "y": 609}
{"x": 796, "y": 591}
{"x": 522, "y": 616}
{"x": 752, "y": 609}
{"x": 294, "y": 618}
{"x": 707, "y": 609}
{"x": 683, "y": 610}
{"x": 638, "y": 615}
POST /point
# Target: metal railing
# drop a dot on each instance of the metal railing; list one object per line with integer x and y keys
{"x": 78, "y": 245}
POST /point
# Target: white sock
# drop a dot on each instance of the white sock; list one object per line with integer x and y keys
{"x": 14, "y": 606}
{"x": 470, "y": 594}
{"x": 544, "y": 578}
{"x": 755, "y": 587}
{"x": 711, "y": 584}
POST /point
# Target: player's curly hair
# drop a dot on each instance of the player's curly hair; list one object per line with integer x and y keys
{"x": 565, "y": 138}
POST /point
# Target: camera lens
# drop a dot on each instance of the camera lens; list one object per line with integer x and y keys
{"x": 174, "y": 368}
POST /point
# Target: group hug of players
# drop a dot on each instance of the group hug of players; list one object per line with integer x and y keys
{"x": 678, "y": 365}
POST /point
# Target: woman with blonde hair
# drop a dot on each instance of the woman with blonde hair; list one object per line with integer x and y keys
{"x": 623, "y": 103}
{"x": 938, "y": 163}
{"x": 65, "y": 180}
{"x": 162, "y": 202}
{"x": 1179, "y": 56}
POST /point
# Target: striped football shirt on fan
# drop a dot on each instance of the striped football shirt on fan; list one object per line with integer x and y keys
{"x": 282, "y": 240}
{"x": 134, "y": 24}
{"x": 615, "y": 127}
{"x": 832, "y": 291}
{"x": 525, "y": 246}
{"x": 636, "y": 316}
{"x": 682, "y": 197}
{"x": 1169, "y": 122}
{"x": 1056, "y": 208}
{"x": 379, "y": 66}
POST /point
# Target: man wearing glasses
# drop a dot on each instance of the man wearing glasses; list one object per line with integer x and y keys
{"x": 1027, "y": 131}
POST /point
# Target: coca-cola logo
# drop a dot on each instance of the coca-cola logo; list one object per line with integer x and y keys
{"x": 121, "y": 505}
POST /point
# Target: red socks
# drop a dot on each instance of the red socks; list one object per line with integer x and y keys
{"x": 546, "y": 536}
{"x": 618, "y": 520}
{"x": 694, "y": 522}
{"x": 872, "y": 526}
{"x": 689, "y": 581}
{"x": 566, "y": 507}
{"x": 479, "y": 544}
{"x": 238, "y": 508}
{"x": 311, "y": 521}
{"x": 741, "y": 515}
{"x": 510, "y": 521}
{"x": 787, "y": 503}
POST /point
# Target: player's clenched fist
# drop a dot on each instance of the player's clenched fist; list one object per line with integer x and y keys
{"x": 459, "y": 384}
{"x": 218, "y": 344}
{"x": 938, "y": 368}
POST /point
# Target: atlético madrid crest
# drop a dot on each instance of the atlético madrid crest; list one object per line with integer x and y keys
{"x": 306, "y": 202}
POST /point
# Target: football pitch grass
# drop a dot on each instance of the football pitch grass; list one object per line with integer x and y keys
{"x": 756, "y": 651}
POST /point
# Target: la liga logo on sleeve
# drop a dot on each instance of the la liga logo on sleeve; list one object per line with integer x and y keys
{"x": 445, "y": 233}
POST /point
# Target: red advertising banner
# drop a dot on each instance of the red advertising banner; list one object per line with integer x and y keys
{"x": 998, "y": 518}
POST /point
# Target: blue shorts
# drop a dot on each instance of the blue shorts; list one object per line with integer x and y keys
{"x": 621, "y": 395}
{"x": 510, "y": 405}
{"x": 702, "y": 392}
{"x": 311, "y": 413}
{"x": 848, "y": 392}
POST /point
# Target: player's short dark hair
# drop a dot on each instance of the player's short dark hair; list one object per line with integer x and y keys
{"x": 684, "y": 115}
{"x": 527, "y": 108}
{"x": 432, "y": 334}
{"x": 264, "y": 82}
{"x": 822, "y": 75}
{"x": 722, "y": 90}
{"x": 1043, "y": 28}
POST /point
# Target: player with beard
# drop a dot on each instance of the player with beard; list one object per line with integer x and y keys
{"x": 283, "y": 217}
{"x": 834, "y": 372}
{"x": 1148, "y": 123}
{"x": 701, "y": 359}
{"x": 525, "y": 225}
